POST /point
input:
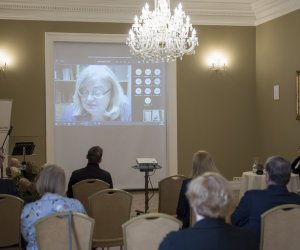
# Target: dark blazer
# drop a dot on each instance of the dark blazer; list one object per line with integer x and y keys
{"x": 210, "y": 234}
{"x": 91, "y": 171}
{"x": 255, "y": 202}
{"x": 293, "y": 165}
{"x": 9, "y": 186}
{"x": 183, "y": 207}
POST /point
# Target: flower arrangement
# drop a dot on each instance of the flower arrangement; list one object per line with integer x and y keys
{"x": 25, "y": 176}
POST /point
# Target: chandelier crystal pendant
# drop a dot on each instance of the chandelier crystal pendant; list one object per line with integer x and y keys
{"x": 158, "y": 36}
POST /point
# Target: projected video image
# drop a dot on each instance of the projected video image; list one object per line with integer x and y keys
{"x": 113, "y": 88}
{"x": 93, "y": 93}
{"x": 108, "y": 94}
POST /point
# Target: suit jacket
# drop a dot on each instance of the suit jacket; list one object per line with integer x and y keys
{"x": 183, "y": 207}
{"x": 211, "y": 234}
{"x": 293, "y": 165}
{"x": 255, "y": 202}
{"x": 9, "y": 186}
{"x": 91, "y": 171}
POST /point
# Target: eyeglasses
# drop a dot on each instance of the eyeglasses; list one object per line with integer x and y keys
{"x": 97, "y": 93}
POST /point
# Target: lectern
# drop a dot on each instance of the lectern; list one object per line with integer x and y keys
{"x": 23, "y": 148}
{"x": 146, "y": 165}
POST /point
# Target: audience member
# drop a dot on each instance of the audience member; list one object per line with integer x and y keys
{"x": 51, "y": 185}
{"x": 13, "y": 166}
{"x": 210, "y": 198}
{"x": 202, "y": 162}
{"x": 296, "y": 163}
{"x": 7, "y": 186}
{"x": 255, "y": 202}
{"x": 91, "y": 171}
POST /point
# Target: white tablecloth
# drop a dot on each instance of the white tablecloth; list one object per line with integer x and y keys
{"x": 251, "y": 180}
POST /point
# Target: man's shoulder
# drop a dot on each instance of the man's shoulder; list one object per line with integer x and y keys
{"x": 243, "y": 232}
{"x": 7, "y": 182}
{"x": 104, "y": 171}
{"x": 79, "y": 171}
{"x": 8, "y": 186}
{"x": 89, "y": 172}
{"x": 267, "y": 195}
{"x": 255, "y": 193}
{"x": 173, "y": 240}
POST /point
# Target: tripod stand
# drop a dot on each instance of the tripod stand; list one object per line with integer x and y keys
{"x": 146, "y": 169}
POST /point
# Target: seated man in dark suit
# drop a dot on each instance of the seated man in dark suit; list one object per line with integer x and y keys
{"x": 210, "y": 198}
{"x": 9, "y": 186}
{"x": 255, "y": 202}
{"x": 91, "y": 171}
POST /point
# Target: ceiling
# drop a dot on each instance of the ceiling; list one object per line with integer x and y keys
{"x": 202, "y": 12}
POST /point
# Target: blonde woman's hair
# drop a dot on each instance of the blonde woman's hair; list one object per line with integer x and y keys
{"x": 52, "y": 179}
{"x": 97, "y": 73}
{"x": 202, "y": 163}
{"x": 210, "y": 195}
{"x": 13, "y": 163}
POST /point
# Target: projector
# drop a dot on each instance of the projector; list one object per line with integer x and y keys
{"x": 146, "y": 162}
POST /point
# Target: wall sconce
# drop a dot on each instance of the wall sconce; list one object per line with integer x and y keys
{"x": 3, "y": 61}
{"x": 217, "y": 62}
{"x": 3, "y": 66}
{"x": 218, "y": 66}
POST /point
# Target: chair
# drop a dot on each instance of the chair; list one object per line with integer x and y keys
{"x": 10, "y": 213}
{"x": 147, "y": 231}
{"x": 192, "y": 217}
{"x": 280, "y": 228}
{"x": 83, "y": 189}
{"x": 235, "y": 186}
{"x": 65, "y": 230}
{"x": 110, "y": 208}
{"x": 169, "y": 189}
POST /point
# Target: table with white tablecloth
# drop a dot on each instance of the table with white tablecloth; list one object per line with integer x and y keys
{"x": 251, "y": 180}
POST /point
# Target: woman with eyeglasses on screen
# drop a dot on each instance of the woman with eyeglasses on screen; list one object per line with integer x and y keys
{"x": 98, "y": 97}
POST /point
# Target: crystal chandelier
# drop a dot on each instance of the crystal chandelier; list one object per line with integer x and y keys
{"x": 158, "y": 36}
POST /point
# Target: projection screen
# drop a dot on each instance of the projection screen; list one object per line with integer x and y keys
{"x": 131, "y": 115}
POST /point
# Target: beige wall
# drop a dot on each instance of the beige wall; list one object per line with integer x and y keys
{"x": 278, "y": 58}
{"x": 216, "y": 111}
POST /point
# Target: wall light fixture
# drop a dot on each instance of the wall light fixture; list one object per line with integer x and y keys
{"x": 3, "y": 66}
{"x": 3, "y": 61}
{"x": 217, "y": 62}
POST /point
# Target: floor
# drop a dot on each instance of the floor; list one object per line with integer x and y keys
{"x": 138, "y": 202}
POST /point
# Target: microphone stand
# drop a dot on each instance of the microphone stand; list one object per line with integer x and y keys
{"x": 2, "y": 147}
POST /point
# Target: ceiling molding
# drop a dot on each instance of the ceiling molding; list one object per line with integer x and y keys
{"x": 269, "y": 9}
{"x": 202, "y": 12}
